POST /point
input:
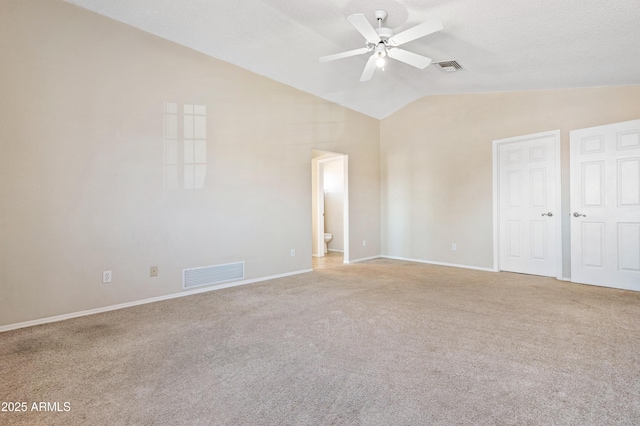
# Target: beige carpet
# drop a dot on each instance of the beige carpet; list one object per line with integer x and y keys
{"x": 378, "y": 343}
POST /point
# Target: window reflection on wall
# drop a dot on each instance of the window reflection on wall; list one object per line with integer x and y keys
{"x": 170, "y": 146}
{"x": 185, "y": 148}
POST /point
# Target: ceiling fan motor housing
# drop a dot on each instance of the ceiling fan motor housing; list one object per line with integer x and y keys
{"x": 384, "y": 33}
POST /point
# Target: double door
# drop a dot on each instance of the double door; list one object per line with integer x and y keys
{"x": 604, "y": 214}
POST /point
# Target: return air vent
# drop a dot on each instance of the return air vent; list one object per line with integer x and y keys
{"x": 207, "y": 275}
{"x": 449, "y": 66}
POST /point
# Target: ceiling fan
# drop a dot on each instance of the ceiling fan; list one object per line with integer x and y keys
{"x": 383, "y": 43}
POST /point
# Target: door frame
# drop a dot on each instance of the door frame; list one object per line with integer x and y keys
{"x": 555, "y": 134}
{"x": 317, "y": 181}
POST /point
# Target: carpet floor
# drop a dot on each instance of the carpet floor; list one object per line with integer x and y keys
{"x": 382, "y": 342}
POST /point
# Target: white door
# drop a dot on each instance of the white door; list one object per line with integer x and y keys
{"x": 528, "y": 204}
{"x": 605, "y": 205}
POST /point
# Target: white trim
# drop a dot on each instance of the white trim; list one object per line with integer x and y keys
{"x": 496, "y": 172}
{"x": 363, "y": 259}
{"x": 453, "y": 265}
{"x": 319, "y": 206}
{"x": 346, "y": 229}
{"x": 145, "y": 301}
{"x": 339, "y": 251}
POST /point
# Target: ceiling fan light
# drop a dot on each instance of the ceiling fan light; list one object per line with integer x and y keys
{"x": 380, "y": 62}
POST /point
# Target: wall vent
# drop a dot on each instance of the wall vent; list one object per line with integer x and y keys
{"x": 207, "y": 275}
{"x": 449, "y": 66}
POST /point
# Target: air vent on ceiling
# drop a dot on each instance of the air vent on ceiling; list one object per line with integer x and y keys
{"x": 449, "y": 66}
{"x": 216, "y": 274}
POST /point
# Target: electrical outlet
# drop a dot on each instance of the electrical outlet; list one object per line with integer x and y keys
{"x": 364, "y": 243}
{"x": 106, "y": 277}
{"x": 293, "y": 252}
{"x": 454, "y": 247}
{"x": 153, "y": 271}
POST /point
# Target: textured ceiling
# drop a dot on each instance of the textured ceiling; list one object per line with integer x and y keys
{"x": 503, "y": 45}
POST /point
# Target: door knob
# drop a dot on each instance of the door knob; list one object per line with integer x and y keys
{"x": 576, "y": 214}
{"x": 547, "y": 214}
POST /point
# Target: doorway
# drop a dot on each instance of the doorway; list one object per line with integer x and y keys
{"x": 330, "y": 204}
{"x": 526, "y": 193}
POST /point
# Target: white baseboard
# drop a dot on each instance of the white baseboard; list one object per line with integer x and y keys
{"x": 363, "y": 259}
{"x": 145, "y": 301}
{"x": 454, "y": 265}
{"x": 339, "y": 251}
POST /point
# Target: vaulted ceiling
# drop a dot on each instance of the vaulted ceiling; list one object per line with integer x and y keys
{"x": 502, "y": 45}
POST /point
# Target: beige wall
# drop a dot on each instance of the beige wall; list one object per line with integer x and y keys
{"x": 81, "y": 165}
{"x": 436, "y": 164}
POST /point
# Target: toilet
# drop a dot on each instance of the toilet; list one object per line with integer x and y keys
{"x": 327, "y": 237}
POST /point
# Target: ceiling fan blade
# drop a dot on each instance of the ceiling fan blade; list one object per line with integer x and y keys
{"x": 367, "y": 73}
{"x": 347, "y": 54}
{"x": 418, "y": 31}
{"x": 359, "y": 21}
{"x": 410, "y": 58}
